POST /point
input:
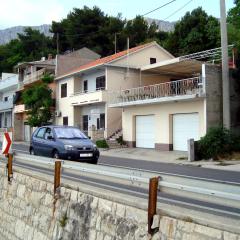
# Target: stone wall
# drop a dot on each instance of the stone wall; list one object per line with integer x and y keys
{"x": 28, "y": 211}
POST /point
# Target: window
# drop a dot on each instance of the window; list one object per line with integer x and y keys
{"x": 85, "y": 85}
{"x": 153, "y": 60}
{"x": 102, "y": 120}
{"x": 65, "y": 121}
{"x": 64, "y": 90}
{"x": 100, "y": 83}
{"x": 5, "y": 99}
{"x": 48, "y": 133}
{"x": 85, "y": 122}
{"x": 40, "y": 133}
{"x": 69, "y": 133}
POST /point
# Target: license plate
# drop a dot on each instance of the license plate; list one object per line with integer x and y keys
{"x": 86, "y": 154}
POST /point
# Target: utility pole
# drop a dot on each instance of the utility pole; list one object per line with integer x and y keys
{"x": 115, "y": 42}
{"x": 225, "y": 67}
{"x": 57, "y": 43}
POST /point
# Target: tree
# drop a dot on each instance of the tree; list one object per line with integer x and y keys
{"x": 38, "y": 99}
{"x": 195, "y": 32}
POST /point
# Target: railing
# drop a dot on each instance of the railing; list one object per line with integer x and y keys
{"x": 34, "y": 76}
{"x": 87, "y": 92}
{"x": 168, "y": 89}
{"x": 6, "y": 104}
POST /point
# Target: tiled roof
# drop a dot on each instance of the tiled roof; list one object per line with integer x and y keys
{"x": 104, "y": 60}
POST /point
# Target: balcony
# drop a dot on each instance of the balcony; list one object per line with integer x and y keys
{"x": 164, "y": 92}
{"x": 34, "y": 76}
{"x": 4, "y": 105}
{"x": 19, "y": 108}
{"x": 83, "y": 98}
{"x": 9, "y": 83}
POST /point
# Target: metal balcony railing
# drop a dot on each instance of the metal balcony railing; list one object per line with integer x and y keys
{"x": 182, "y": 87}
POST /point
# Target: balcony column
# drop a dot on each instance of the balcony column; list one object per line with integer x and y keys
{"x": 204, "y": 77}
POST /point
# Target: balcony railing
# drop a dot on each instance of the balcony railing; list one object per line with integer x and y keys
{"x": 190, "y": 86}
{"x": 34, "y": 76}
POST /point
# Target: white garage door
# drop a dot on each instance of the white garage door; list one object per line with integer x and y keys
{"x": 185, "y": 126}
{"x": 145, "y": 128}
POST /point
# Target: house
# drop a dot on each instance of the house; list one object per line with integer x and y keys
{"x": 82, "y": 94}
{"x": 30, "y": 73}
{"x": 177, "y": 99}
{"x": 8, "y": 86}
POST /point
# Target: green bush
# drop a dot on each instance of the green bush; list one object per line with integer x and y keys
{"x": 102, "y": 144}
{"x": 47, "y": 78}
{"x": 218, "y": 142}
{"x": 121, "y": 141}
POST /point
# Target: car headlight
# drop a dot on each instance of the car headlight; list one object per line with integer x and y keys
{"x": 95, "y": 147}
{"x": 68, "y": 147}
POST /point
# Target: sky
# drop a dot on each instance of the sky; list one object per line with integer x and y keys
{"x": 38, "y": 12}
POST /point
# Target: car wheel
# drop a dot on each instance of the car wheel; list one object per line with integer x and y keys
{"x": 32, "y": 152}
{"x": 55, "y": 154}
{"x": 94, "y": 161}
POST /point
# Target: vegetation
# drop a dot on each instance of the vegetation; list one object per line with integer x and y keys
{"x": 102, "y": 144}
{"x": 218, "y": 142}
{"x": 92, "y": 28}
{"x": 38, "y": 99}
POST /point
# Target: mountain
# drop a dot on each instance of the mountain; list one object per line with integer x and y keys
{"x": 6, "y": 35}
{"x": 164, "y": 26}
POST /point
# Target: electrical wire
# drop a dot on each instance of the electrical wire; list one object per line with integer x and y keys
{"x": 158, "y": 8}
{"x": 178, "y": 10}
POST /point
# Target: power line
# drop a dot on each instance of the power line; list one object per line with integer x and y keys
{"x": 158, "y": 8}
{"x": 178, "y": 10}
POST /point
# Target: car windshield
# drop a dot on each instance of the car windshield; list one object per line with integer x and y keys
{"x": 69, "y": 133}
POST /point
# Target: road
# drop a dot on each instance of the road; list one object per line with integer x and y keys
{"x": 193, "y": 171}
{"x": 159, "y": 168}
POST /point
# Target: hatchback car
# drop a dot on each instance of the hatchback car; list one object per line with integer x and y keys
{"x": 63, "y": 142}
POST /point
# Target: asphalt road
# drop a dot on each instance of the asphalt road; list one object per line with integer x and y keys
{"x": 192, "y": 171}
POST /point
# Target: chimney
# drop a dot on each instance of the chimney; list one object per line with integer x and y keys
{"x": 49, "y": 56}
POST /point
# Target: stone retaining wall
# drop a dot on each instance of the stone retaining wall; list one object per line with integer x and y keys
{"x": 28, "y": 211}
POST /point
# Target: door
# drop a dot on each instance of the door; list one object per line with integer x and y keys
{"x": 48, "y": 143}
{"x": 185, "y": 126}
{"x": 145, "y": 129}
{"x": 38, "y": 141}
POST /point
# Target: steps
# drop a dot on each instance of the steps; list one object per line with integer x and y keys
{"x": 112, "y": 140}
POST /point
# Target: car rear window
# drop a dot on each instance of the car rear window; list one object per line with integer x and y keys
{"x": 69, "y": 133}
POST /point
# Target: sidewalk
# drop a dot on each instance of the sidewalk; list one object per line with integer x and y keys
{"x": 175, "y": 157}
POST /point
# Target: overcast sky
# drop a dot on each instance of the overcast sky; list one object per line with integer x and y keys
{"x": 37, "y": 12}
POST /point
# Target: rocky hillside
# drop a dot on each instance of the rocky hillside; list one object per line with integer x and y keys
{"x": 6, "y": 35}
{"x": 164, "y": 26}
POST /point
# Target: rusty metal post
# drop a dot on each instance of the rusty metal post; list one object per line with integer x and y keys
{"x": 9, "y": 166}
{"x": 57, "y": 176}
{"x": 152, "y": 201}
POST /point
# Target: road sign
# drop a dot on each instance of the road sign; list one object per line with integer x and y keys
{"x": 7, "y": 142}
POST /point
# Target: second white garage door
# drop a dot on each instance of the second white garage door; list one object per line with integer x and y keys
{"x": 185, "y": 126}
{"x": 145, "y": 128}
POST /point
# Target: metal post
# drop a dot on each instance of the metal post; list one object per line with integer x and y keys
{"x": 225, "y": 68}
{"x": 152, "y": 201}
{"x": 57, "y": 176}
{"x": 9, "y": 166}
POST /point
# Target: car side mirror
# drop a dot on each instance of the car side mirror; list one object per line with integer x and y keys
{"x": 50, "y": 137}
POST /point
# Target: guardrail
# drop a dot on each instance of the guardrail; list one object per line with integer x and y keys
{"x": 221, "y": 193}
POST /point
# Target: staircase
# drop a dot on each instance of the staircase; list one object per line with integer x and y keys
{"x": 112, "y": 140}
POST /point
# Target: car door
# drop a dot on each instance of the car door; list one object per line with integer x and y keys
{"x": 38, "y": 141}
{"x": 48, "y": 142}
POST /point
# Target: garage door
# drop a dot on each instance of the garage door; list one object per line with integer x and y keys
{"x": 145, "y": 127}
{"x": 185, "y": 126}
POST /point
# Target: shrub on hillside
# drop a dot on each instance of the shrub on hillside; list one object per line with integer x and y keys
{"x": 102, "y": 144}
{"x": 218, "y": 142}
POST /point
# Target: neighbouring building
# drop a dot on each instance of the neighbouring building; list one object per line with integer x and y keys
{"x": 30, "y": 73}
{"x": 8, "y": 86}
{"x": 83, "y": 93}
{"x": 176, "y": 99}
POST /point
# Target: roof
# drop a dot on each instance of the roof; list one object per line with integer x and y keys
{"x": 175, "y": 66}
{"x": 47, "y": 62}
{"x": 104, "y": 60}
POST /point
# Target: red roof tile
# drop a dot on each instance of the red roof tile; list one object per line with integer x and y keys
{"x": 104, "y": 60}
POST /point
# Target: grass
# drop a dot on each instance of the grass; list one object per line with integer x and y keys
{"x": 63, "y": 220}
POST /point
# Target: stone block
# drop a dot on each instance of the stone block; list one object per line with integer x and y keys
{"x": 168, "y": 226}
{"x": 156, "y": 221}
{"x": 74, "y": 196}
{"x": 210, "y": 232}
{"x": 105, "y": 205}
{"x": 121, "y": 210}
{"x": 137, "y": 215}
{"x": 230, "y": 236}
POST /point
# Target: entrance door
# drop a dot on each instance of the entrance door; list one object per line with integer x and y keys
{"x": 27, "y": 132}
{"x": 185, "y": 126}
{"x": 145, "y": 129}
